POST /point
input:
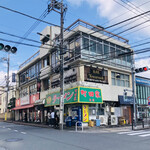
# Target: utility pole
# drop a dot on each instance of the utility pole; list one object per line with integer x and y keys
{"x": 59, "y": 8}
{"x": 62, "y": 67}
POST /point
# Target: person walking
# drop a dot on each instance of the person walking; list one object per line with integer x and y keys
{"x": 56, "y": 120}
{"x": 49, "y": 118}
{"x": 52, "y": 118}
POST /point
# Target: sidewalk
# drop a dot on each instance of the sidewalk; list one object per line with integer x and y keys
{"x": 85, "y": 129}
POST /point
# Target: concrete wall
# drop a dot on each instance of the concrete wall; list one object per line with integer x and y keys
{"x": 9, "y": 116}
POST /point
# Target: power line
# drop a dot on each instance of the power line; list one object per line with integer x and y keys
{"x": 127, "y": 20}
{"x": 44, "y": 14}
{"x": 28, "y": 16}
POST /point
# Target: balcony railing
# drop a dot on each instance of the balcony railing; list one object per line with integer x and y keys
{"x": 30, "y": 59}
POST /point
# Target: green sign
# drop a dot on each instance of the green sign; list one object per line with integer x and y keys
{"x": 70, "y": 96}
{"x": 75, "y": 95}
{"x": 90, "y": 95}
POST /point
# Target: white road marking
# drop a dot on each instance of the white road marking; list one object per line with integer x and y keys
{"x": 3, "y": 127}
{"x": 129, "y": 132}
{"x": 145, "y": 135}
{"x": 9, "y": 128}
{"x": 23, "y": 132}
{"x": 16, "y": 130}
{"x": 139, "y": 133}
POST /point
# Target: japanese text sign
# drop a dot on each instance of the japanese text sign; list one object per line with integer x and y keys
{"x": 90, "y": 95}
{"x": 85, "y": 113}
{"x": 75, "y": 95}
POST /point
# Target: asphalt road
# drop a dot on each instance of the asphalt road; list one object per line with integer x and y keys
{"x": 20, "y": 137}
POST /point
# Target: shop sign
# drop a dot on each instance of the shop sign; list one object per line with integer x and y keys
{"x": 70, "y": 96}
{"x": 96, "y": 75}
{"x": 76, "y": 95}
{"x": 34, "y": 98}
{"x": 127, "y": 101}
{"x": 90, "y": 95}
{"x": 85, "y": 113}
{"x": 142, "y": 81}
{"x": 148, "y": 100}
{"x": 24, "y": 100}
{"x": 40, "y": 101}
{"x": 17, "y": 104}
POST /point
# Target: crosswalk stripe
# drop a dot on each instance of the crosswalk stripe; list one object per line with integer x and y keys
{"x": 145, "y": 135}
{"x": 139, "y": 133}
{"x": 129, "y": 132}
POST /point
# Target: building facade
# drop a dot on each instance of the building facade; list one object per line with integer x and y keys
{"x": 143, "y": 97}
{"x": 95, "y": 76}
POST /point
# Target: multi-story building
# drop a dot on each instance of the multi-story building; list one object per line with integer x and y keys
{"x": 11, "y": 94}
{"x": 2, "y": 99}
{"x": 94, "y": 75}
{"x": 143, "y": 97}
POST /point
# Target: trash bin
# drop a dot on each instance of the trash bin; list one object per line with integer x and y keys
{"x": 98, "y": 122}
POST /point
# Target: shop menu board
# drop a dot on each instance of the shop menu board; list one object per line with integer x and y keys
{"x": 76, "y": 95}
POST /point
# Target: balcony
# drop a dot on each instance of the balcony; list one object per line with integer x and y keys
{"x": 45, "y": 72}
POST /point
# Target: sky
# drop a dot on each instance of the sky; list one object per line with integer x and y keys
{"x": 97, "y": 12}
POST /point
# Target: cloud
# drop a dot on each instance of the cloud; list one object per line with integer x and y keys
{"x": 3, "y": 75}
{"x": 115, "y": 11}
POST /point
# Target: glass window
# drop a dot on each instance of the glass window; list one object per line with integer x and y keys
{"x": 85, "y": 42}
{"x": 123, "y": 80}
{"x": 112, "y": 52}
{"x": 53, "y": 60}
{"x": 99, "y": 48}
{"x": 106, "y": 50}
{"x": 92, "y": 46}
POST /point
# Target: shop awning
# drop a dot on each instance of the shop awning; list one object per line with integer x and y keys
{"x": 23, "y": 107}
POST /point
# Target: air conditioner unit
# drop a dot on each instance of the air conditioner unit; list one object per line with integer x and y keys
{"x": 103, "y": 120}
{"x": 114, "y": 120}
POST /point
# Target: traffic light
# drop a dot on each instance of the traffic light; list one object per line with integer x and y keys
{"x": 11, "y": 103}
{"x": 1, "y": 46}
{"x": 8, "y": 48}
{"x": 142, "y": 69}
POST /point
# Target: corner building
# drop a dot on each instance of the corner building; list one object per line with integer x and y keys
{"x": 94, "y": 76}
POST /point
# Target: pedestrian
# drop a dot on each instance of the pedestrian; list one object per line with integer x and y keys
{"x": 49, "y": 118}
{"x": 56, "y": 121}
{"x": 25, "y": 117}
{"x": 52, "y": 118}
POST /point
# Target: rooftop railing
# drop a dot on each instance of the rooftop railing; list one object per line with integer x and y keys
{"x": 29, "y": 59}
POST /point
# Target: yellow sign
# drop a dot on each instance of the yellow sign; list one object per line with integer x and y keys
{"x": 85, "y": 113}
{"x": 6, "y": 116}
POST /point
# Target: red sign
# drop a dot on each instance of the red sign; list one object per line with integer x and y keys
{"x": 17, "y": 104}
{"x": 148, "y": 100}
{"x": 34, "y": 98}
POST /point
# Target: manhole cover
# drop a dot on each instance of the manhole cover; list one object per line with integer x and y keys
{"x": 13, "y": 140}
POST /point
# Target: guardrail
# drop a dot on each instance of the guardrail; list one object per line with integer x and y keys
{"x": 76, "y": 127}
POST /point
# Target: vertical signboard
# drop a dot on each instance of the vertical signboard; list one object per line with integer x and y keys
{"x": 148, "y": 101}
{"x": 85, "y": 113}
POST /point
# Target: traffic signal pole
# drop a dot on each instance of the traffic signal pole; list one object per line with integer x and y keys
{"x": 7, "y": 86}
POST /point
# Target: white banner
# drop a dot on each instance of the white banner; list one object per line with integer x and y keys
{"x": 24, "y": 100}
